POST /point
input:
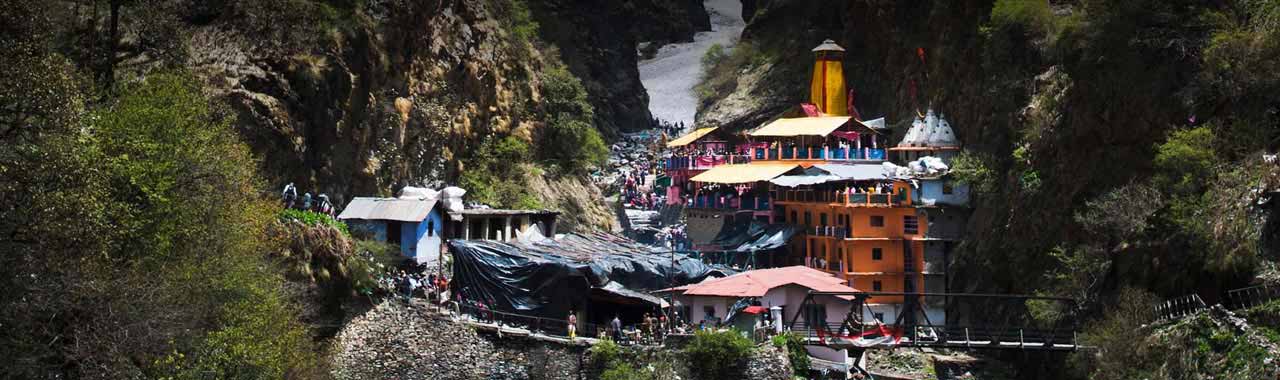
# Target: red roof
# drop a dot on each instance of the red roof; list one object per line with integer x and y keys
{"x": 756, "y": 283}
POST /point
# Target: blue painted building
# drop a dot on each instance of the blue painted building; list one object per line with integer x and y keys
{"x": 420, "y": 223}
{"x": 941, "y": 192}
{"x": 415, "y": 225}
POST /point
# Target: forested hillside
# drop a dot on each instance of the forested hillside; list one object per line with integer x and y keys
{"x": 140, "y": 143}
{"x": 1114, "y": 145}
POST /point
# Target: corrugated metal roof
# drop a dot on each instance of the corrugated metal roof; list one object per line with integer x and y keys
{"x": 801, "y": 126}
{"x": 823, "y": 173}
{"x": 742, "y": 173}
{"x": 691, "y": 137}
{"x": 756, "y": 283}
{"x": 493, "y": 211}
{"x": 856, "y": 172}
{"x": 403, "y": 210}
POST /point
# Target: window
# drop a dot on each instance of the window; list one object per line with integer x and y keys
{"x": 794, "y": 220}
{"x": 708, "y": 313}
{"x": 876, "y": 286}
{"x": 808, "y": 219}
{"x": 877, "y": 220}
{"x": 910, "y": 224}
{"x": 877, "y": 254}
{"x": 878, "y": 316}
{"x": 823, "y": 219}
{"x": 946, "y": 188}
{"x": 431, "y": 228}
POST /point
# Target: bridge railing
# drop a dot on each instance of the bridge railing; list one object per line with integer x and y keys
{"x": 1252, "y": 296}
{"x": 942, "y": 336}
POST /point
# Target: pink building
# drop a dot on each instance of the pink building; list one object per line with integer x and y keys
{"x": 711, "y": 299}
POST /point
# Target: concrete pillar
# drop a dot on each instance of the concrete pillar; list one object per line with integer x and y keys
{"x": 776, "y": 312}
{"x": 485, "y": 225}
{"x": 506, "y": 229}
{"x": 466, "y": 228}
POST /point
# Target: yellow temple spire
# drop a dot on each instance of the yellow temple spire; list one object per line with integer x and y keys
{"x": 827, "y": 89}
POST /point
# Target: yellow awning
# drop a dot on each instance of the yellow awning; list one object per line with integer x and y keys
{"x": 802, "y": 126}
{"x": 691, "y": 137}
{"x": 742, "y": 173}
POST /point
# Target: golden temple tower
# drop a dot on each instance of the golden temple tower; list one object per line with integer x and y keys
{"x": 827, "y": 89}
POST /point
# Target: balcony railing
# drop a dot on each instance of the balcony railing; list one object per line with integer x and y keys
{"x": 840, "y": 197}
{"x": 822, "y": 153}
{"x": 717, "y": 202}
{"x": 838, "y": 232}
{"x": 703, "y": 162}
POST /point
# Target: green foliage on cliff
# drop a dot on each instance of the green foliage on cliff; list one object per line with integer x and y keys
{"x": 495, "y": 174}
{"x": 721, "y": 67}
{"x": 133, "y": 231}
{"x": 569, "y": 140}
{"x": 1130, "y": 348}
{"x": 311, "y": 218}
{"x": 1030, "y": 14}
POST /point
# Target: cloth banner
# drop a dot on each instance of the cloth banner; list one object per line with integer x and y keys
{"x": 851, "y": 136}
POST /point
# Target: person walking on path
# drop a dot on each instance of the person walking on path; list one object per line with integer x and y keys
{"x": 616, "y": 326}
{"x": 290, "y": 195}
{"x": 573, "y": 325}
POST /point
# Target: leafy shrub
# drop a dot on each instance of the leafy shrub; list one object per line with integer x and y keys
{"x": 718, "y": 355}
{"x": 312, "y": 218}
{"x": 619, "y": 370}
{"x": 603, "y": 354}
{"x": 1032, "y": 14}
{"x": 495, "y": 174}
{"x": 520, "y": 21}
{"x": 975, "y": 170}
{"x": 569, "y": 140}
{"x": 796, "y": 353}
{"x": 721, "y": 68}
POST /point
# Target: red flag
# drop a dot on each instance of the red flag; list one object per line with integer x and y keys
{"x": 920, "y": 53}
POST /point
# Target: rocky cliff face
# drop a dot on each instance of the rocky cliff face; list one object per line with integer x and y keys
{"x": 359, "y": 101}
{"x": 382, "y": 100}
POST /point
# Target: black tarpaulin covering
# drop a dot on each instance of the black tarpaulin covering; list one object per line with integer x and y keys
{"x": 752, "y": 235}
{"x": 549, "y": 278}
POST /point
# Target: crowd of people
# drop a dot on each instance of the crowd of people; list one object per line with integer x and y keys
{"x": 320, "y": 203}
{"x": 671, "y": 129}
{"x": 416, "y": 282}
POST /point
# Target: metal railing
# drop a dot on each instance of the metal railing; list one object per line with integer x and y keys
{"x": 840, "y": 197}
{"x": 955, "y": 336}
{"x": 1180, "y": 307}
{"x": 1252, "y": 296}
{"x": 818, "y": 153}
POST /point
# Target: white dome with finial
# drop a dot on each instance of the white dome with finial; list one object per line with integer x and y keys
{"x": 915, "y": 135}
{"x": 942, "y": 135}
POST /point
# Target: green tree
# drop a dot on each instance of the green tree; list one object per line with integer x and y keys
{"x": 142, "y": 249}
{"x": 569, "y": 139}
{"x": 718, "y": 355}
